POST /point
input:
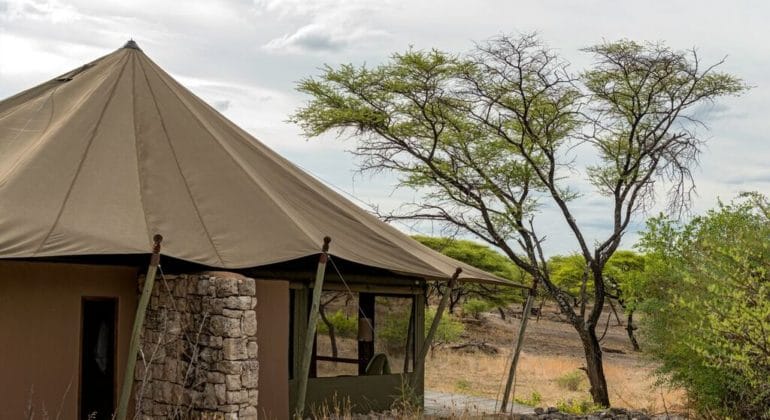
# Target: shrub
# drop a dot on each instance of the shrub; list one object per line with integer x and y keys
{"x": 475, "y": 307}
{"x": 707, "y": 310}
{"x": 571, "y": 381}
{"x": 344, "y": 326}
{"x": 449, "y": 328}
{"x": 534, "y": 399}
{"x": 392, "y": 333}
{"x": 577, "y": 407}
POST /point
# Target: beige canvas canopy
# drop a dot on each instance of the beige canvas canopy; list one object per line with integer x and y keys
{"x": 98, "y": 160}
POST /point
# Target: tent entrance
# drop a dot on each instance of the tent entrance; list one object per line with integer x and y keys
{"x": 97, "y": 358}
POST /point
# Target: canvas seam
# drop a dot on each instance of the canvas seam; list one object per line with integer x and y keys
{"x": 239, "y": 165}
{"x": 31, "y": 91}
{"x": 136, "y": 146}
{"x": 291, "y": 167}
{"x": 179, "y": 168}
{"x": 82, "y": 159}
{"x": 41, "y": 138}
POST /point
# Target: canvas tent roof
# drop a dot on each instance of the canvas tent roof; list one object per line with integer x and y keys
{"x": 98, "y": 160}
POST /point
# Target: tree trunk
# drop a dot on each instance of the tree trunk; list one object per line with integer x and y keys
{"x": 630, "y": 328}
{"x": 451, "y": 307}
{"x": 330, "y": 326}
{"x": 454, "y": 299}
{"x": 594, "y": 366}
{"x": 585, "y": 325}
{"x": 614, "y": 311}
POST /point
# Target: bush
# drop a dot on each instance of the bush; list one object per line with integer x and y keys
{"x": 707, "y": 310}
{"x": 449, "y": 328}
{"x": 571, "y": 381}
{"x": 475, "y": 307}
{"x": 393, "y": 332}
{"x": 534, "y": 399}
{"x": 344, "y": 326}
{"x": 577, "y": 407}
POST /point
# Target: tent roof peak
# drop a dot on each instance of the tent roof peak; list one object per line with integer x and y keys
{"x": 132, "y": 44}
{"x": 95, "y": 166}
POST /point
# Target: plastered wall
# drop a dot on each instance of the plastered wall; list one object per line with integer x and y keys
{"x": 40, "y": 321}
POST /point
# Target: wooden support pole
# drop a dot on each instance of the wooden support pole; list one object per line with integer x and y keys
{"x": 133, "y": 347}
{"x": 419, "y": 369}
{"x": 409, "y": 349}
{"x": 517, "y": 351}
{"x": 307, "y": 345}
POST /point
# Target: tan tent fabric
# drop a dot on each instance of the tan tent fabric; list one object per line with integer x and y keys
{"x": 98, "y": 160}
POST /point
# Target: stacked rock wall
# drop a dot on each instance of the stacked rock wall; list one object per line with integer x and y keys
{"x": 199, "y": 348}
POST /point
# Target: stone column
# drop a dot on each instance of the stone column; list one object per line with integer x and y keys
{"x": 199, "y": 348}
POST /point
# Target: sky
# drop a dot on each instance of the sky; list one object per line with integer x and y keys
{"x": 245, "y": 58}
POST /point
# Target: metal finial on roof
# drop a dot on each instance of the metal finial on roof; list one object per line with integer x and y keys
{"x": 132, "y": 44}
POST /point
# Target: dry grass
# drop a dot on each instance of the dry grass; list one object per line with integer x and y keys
{"x": 482, "y": 375}
{"x": 551, "y": 351}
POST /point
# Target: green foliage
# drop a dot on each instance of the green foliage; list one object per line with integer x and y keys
{"x": 462, "y": 385}
{"x": 571, "y": 381}
{"x": 392, "y": 333}
{"x": 708, "y": 306}
{"x": 475, "y": 254}
{"x": 621, "y": 274}
{"x": 568, "y": 271}
{"x": 577, "y": 406}
{"x": 344, "y": 326}
{"x": 635, "y": 86}
{"x": 489, "y": 138}
{"x": 533, "y": 401}
{"x": 449, "y": 328}
{"x": 487, "y": 259}
{"x": 475, "y": 307}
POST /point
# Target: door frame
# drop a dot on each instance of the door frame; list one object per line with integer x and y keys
{"x": 116, "y": 323}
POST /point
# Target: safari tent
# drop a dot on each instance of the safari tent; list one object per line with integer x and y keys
{"x": 96, "y": 162}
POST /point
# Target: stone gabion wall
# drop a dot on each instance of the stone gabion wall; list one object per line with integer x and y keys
{"x": 199, "y": 348}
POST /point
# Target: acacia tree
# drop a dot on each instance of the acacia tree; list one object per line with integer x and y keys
{"x": 489, "y": 138}
{"x": 622, "y": 277}
{"x": 485, "y": 258}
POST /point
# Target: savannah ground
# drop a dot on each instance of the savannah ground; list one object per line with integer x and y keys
{"x": 549, "y": 365}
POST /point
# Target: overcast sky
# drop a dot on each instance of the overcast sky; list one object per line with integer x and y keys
{"x": 245, "y": 57}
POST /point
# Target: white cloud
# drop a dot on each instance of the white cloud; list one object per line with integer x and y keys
{"x": 322, "y": 38}
{"x": 289, "y": 8}
{"x": 326, "y": 25}
{"x": 43, "y": 10}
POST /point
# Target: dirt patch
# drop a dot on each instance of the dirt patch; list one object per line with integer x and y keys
{"x": 551, "y": 351}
